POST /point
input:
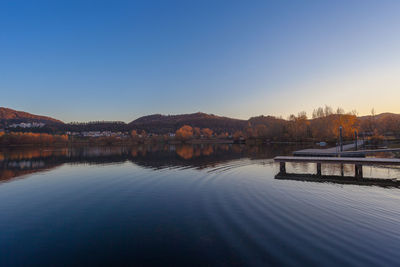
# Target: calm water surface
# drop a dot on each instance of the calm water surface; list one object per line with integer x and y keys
{"x": 188, "y": 205}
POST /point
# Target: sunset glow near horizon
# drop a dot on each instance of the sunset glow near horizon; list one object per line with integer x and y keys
{"x": 119, "y": 60}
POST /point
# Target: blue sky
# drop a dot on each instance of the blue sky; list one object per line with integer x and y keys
{"x": 119, "y": 60}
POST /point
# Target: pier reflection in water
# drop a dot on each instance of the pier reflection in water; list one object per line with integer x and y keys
{"x": 16, "y": 162}
{"x": 357, "y": 163}
{"x": 190, "y": 205}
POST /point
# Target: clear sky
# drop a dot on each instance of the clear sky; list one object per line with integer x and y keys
{"x": 119, "y": 60}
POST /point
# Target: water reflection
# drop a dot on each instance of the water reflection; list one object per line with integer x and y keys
{"x": 22, "y": 161}
{"x": 338, "y": 179}
{"x": 215, "y": 205}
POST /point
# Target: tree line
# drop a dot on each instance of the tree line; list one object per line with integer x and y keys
{"x": 322, "y": 126}
{"x": 21, "y": 138}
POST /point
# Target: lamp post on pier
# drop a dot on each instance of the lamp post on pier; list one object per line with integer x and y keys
{"x": 356, "y": 138}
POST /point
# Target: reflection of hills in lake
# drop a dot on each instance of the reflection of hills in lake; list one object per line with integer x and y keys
{"x": 18, "y": 162}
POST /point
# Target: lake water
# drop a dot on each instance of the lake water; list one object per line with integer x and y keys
{"x": 189, "y": 205}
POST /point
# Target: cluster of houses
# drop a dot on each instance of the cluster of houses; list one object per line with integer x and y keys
{"x": 98, "y": 134}
{"x": 92, "y": 134}
{"x": 27, "y": 125}
{"x": 110, "y": 134}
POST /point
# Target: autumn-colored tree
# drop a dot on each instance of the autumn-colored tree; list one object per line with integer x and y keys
{"x": 322, "y": 112}
{"x": 32, "y": 138}
{"x": 298, "y": 126}
{"x": 196, "y": 132}
{"x": 348, "y": 123}
{"x": 184, "y": 133}
{"x": 261, "y": 131}
{"x": 326, "y": 127}
{"x": 134, "y": 135}
{"x": 238, "y": 135}
{"x": 320, "y": 128}
{"x": 207, "y": 132}
{"x": 389, "y": 124}
{"x": 223, "y": 135}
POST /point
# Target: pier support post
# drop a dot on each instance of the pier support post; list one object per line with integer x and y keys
{"x": 342, "y": 170}
{"x": 359, "y": 172}
{"x": 319, "y": 172}
{"x": 356, "y": 138}
{"x": 282, "y": 167}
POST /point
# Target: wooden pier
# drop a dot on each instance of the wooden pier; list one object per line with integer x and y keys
{"x": 358, "y": 162}
{"x": 343, "y": 154}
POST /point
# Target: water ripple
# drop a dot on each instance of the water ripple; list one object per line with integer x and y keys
{"x": 263, "y": 217}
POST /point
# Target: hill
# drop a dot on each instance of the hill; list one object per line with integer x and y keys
{"x": 268, "y": 127}
{"x": 9, "y": 116}
{"x": 386, "y": 123}
{"x": 266, "y": 120}
{"x": 381, "y": 116}
{"x": 162, "y": 124}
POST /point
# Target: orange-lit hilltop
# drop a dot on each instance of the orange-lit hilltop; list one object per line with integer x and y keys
{"x": 22, "y": 127}
{"x": 10, "y": 116}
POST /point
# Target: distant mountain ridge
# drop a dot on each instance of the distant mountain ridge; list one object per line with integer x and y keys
{"x": 163, "y": 124}
{"x": 158, "y": 123}
{"x": 9, "y": 116}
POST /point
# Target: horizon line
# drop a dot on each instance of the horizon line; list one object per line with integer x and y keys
{"x": 177, "y": 114}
